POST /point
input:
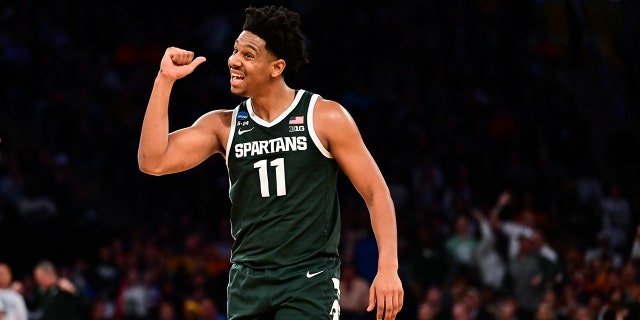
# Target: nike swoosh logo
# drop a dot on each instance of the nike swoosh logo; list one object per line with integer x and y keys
{"x": 240, "y": 131}
{"x": 311, "y": 275}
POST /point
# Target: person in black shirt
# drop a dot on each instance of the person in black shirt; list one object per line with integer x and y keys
{"x": 56, "y": 297}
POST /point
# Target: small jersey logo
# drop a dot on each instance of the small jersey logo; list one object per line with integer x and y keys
{"x": 311, "y": 275}
{"x": 240, "y": 131}
{"x": 242, "y": 115}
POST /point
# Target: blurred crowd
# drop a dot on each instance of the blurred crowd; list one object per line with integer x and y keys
{"x": 507, "y": 132}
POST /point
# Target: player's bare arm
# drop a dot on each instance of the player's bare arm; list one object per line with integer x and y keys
{"x": 161, "y": 152}
{"x": 340, "y": 135}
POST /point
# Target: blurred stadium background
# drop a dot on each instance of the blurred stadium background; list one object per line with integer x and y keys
{"x": 457, "y": 100}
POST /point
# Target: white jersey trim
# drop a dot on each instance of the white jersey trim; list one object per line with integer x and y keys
{"x": 312, "y": 130}
{"x": 277, "y": 120}
{"x": 232, "y": 132}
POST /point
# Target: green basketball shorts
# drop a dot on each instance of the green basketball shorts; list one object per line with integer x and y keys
{"x": 304, "y": 291}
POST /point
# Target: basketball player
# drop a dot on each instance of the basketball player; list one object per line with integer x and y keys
{"x": 283, "y": 148}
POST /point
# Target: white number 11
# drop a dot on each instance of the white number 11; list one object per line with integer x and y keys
{"x": 281, "y": 188}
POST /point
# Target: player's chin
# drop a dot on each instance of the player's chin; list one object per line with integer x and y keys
{"x": 238, "y": 91}
{"x": 235, "y": 89}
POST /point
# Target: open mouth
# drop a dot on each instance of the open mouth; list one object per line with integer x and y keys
{"x": 236, "y": 79}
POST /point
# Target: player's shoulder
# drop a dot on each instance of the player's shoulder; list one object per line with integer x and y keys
{"x": 218, "y": 115}
{"x": 330, "y": 110}
{"x": 327, "y": 105}
{"x": 217, "y": 122}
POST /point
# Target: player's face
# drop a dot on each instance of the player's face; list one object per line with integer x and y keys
{"x": 250, "y": 64}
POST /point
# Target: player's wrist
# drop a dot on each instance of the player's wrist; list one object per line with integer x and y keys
{"x": 384, "y": 266}
{"x": 164, "y": 79}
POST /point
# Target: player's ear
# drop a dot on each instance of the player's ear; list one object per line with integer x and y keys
{"x": 277, "y": 67}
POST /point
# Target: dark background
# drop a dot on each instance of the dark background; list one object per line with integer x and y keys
{"x": 531, "y": 96}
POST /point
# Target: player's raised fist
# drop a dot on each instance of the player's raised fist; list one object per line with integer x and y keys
{"x": 178, "y": 63}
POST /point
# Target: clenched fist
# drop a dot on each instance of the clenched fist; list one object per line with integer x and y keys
{"x": 178, "y": 63}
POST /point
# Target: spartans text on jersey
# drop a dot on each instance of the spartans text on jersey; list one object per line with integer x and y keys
{"x": 260, "y": 147}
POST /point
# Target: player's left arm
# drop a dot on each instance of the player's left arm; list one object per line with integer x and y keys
{"x": 340, "y": 135}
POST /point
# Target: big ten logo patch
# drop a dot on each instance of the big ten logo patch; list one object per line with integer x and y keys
{"x": 296, "y": 128}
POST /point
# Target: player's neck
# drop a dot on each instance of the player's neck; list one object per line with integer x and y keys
{"x": 273, "y": 103}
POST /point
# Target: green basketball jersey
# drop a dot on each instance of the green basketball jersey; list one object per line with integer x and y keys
{"x": 283, "y": 188}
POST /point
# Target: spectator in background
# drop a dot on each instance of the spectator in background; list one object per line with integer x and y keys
{"x": 525, "y": 228}
{"x": 603, "y": 250}
{"x": 597, "y": 304}
{"x": 455, "y": 293}
{"x": 354, "y": 294}
{"x": 549, "y": 260}
{"x": 630, "y": 282}
{"x": 461, "y": 249}
{"x": 134, "y": 299}
{"x": 77, "y": 274}
{"x": 100, "y": 311}
{"x": 460, "y": 311}
{"x": 507, "y": 309}
{"x": 366, "y": 255}
{"x": 489, "y": 261}
{"x": 166, "y": 311}
{"x": 615, "y": 307}
{"x": 435, "y": 305}
{"x": 430, "y": 263}
{"x": 104, "y": 274}
{"x": 426, "y": 312}
{"x": 513, "y": 229}
{"x": 635, "y": 247}
{"x": 12, "y": 303}
{"x": 505, "y": 199}
{"x": 545, "y": 311}
{"x": 616, "y": 218}
{"x": 211, "y": 310}
{"x": 583, "y": 313}
{"x": 477, "y": 307}
{"x": 568, "y": 301}
{"x": 549, "y": 307}
{"x": 527, "y": 278}
{"x": 57, "y": 298}
{"x": 599, "y": 275}
{"x": 191, "y": 309}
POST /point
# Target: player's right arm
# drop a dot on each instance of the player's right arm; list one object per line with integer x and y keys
{"x": 161, "y": 152}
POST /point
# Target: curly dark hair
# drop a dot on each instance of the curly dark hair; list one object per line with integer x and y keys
{"x": 280, "y": 29}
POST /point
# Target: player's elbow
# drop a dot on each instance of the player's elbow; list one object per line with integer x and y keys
{"x": 376, "y": 196}
{"x": 149, "y": 167}
{"x": 150, "y": 171}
